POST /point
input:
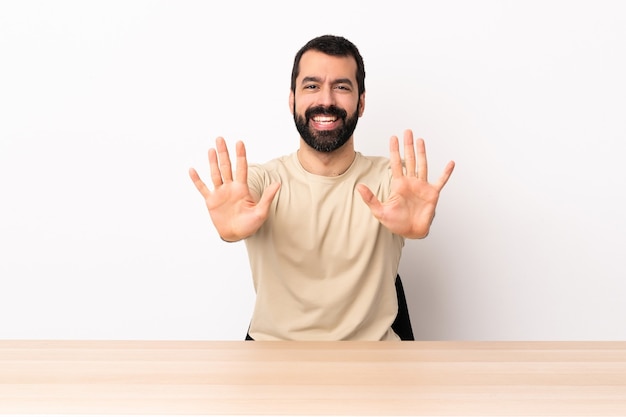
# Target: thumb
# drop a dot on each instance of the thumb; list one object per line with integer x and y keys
{"x": 268, "y": 196}
{"x": 370, "y": 199}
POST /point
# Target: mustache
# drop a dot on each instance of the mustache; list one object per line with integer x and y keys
{"x": 329, "y": 110}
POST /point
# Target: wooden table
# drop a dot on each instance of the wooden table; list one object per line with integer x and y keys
{"x": 313, "y": 378}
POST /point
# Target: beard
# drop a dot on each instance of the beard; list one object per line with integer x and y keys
{"x": 326, "y": 140}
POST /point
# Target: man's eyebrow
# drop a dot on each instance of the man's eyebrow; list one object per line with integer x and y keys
{"x": 318, "y": 80}
{"x": 343, "y": 81}
{"x": 311, "y": 79}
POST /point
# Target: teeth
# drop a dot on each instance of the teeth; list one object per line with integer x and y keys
{"x": 324, "y": 119}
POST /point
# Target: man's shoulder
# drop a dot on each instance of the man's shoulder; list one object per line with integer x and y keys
{"x": 273, "y": 164}
{"x": 373, "y": 161}
{"x": 276, "y": 169}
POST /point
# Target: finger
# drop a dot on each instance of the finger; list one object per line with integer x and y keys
{"x": 241, "y": 173}
{"x": 447, "y": 172}
{"x": 200, "y": 185}
{"x": 268, "y": 195}
{"x": 422, "y": 163}
{"x": 409, "y": 153}
{"x": 216, "y": 175}
{"x": 370, "y": 199}
{"x": 394, "y": 158}
{"x": 224, "y": 160}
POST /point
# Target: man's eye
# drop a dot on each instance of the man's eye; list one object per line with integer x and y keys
{"x": 343, "y": 87}
{"x": 310, "y": 87}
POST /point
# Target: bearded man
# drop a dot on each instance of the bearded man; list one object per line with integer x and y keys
{"x": 324, "y": 226}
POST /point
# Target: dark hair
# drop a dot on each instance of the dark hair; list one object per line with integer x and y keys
{"x": 331, "y": 45}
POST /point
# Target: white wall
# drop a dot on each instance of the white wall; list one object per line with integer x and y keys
{"x": 104, "y": 106}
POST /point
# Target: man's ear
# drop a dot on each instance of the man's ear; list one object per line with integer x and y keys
{"x": 291, "y": 101}
{"x": 361, "y": 104}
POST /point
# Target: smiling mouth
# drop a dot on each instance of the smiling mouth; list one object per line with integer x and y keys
{"x": 324, "y": 119}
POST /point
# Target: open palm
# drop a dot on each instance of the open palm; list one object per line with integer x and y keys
{"x": 235, "y": 212}
{"x": 410, "y": 208}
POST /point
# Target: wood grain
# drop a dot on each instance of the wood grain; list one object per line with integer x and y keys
{"x": 313, "y": 378}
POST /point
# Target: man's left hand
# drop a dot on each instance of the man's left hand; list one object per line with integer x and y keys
{"x": 410, "y": 208}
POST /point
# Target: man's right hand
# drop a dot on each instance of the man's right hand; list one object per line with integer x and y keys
{"x": 235, "y": 212}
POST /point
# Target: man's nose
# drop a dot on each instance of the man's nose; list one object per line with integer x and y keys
{"x": 325, "y": 97}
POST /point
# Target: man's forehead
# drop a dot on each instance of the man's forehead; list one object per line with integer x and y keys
{"x": 316, "y": 64}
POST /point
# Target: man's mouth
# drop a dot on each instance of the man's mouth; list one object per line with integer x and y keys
{"x": 325, "y": 122}
{"x": 324, "y": 119}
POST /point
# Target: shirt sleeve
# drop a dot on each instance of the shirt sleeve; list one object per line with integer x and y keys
{"x": 257, "y": 180}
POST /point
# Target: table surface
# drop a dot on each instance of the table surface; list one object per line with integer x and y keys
{"x": 313, "y": 378}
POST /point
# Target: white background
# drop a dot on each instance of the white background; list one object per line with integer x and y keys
{"x": 104, "y": 105}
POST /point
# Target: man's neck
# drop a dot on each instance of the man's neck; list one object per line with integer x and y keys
{"x": 328, "y": 164}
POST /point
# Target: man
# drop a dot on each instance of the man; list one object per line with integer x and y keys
{"x": 324, "y": 226}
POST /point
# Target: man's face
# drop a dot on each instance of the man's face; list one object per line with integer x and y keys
{"x": 326, "y": 105}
